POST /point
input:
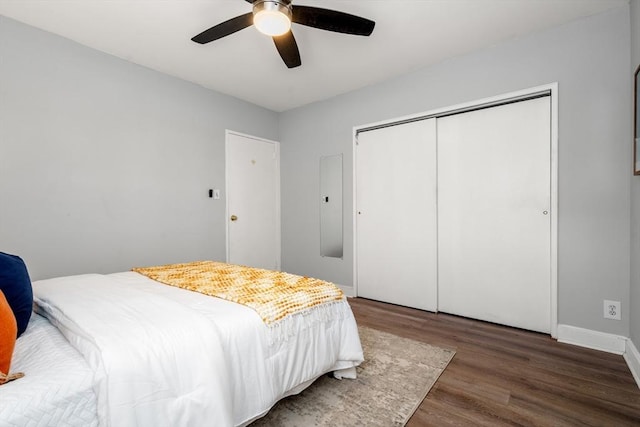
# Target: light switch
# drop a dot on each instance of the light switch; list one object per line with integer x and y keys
{"x": 216, "y": 194}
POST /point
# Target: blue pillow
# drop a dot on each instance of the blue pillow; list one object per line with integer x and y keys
{"x": 16, "y": 286}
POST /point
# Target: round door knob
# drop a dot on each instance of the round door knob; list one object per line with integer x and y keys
{"x": 545, "y": 212}
{"x": 233, "y": 217}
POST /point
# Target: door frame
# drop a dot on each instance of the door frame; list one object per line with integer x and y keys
{"x": 552, "y": 89}
{"x": 276, "y": 144}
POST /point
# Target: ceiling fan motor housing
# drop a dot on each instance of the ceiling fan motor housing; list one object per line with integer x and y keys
{"x": 273, "y": 6}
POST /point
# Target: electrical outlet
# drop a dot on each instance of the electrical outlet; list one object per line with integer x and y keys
{"x": 612, "y": 310}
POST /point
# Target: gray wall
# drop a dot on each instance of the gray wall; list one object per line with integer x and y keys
{"x": 589, "y": 59}
{"x": 105, "y": 165}
{"x": 635, "y": 195}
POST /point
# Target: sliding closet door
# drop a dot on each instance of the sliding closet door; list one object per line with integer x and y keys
{"x": 493, "y": 212}
{"x": 396, "y": 215}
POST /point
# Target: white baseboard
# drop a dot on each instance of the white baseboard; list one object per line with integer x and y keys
{"x": 632, "y": 357}
{"x": 592, "y": 339}
{"x": 348, "y": 290}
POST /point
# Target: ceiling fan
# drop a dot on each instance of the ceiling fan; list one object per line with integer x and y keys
{"x": 274, "y": 18}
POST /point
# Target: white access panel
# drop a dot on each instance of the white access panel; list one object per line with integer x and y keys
{"x": 494, "y": 201}
{"x": 396, "y": 215}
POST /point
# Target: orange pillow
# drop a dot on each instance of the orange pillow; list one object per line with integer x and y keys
{"x": 8, "y": 334}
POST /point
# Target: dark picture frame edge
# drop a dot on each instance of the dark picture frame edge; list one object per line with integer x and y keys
{"x": 636, "y": 122}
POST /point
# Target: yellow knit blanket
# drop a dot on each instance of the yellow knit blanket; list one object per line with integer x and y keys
{"x": 272, "y": 294}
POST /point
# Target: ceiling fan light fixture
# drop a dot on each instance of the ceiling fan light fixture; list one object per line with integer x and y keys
{"x": 272, "y": 17}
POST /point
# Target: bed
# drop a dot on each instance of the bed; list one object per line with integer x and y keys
{"x": 124, "y": 349}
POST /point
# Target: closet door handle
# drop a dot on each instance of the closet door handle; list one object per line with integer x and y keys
{"x": 233, "y": 218}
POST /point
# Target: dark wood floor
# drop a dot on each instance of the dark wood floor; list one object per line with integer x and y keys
{"x": 506, "y": 376}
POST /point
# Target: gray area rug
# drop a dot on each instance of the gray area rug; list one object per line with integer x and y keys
{"x": 393, "y": 380}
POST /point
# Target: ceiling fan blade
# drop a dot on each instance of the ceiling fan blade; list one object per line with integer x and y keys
{"x": 250, "y": 1}
{"x": 288, "y": 49}
{"x": 331, "y": 20}
{"x": 224, "y": 29}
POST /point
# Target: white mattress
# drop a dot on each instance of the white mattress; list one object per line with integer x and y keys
{"x": 57, "y": 389}
{"x": 259, "y": 365}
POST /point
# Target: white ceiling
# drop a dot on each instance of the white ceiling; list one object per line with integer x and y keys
{"x": 409, "y": 34}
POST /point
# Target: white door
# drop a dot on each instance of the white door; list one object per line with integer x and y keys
{"x": 494, "y": 203}
{"x": 253, "y": 201}
{"x": 396, "y": 215}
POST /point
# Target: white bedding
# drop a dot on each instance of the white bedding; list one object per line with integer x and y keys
{"x": 166, "y": 356}
{"x": 58, "y": 387}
